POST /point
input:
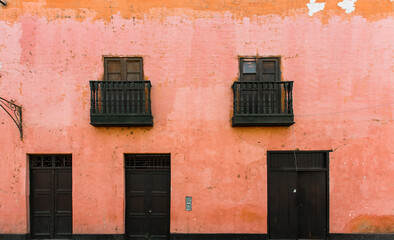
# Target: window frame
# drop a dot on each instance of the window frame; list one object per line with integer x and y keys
{"x": 259, "y": 67}
{"x": 123, "y": 66}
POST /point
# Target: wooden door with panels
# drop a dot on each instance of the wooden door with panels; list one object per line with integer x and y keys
{"x": 298, "y": 195}
{"x": 50, "y": 196}
{"x": 147, "y": 196}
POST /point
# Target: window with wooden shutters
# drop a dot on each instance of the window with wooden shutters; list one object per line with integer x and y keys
{"x": 123, "y": 97}
{"x": 260, "y": 97}
{"x": 123, "y": 69}
{"x": 260, "y": 69}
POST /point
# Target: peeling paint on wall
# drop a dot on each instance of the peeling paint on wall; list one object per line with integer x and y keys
{"x": 105, "y": 10}
{"x": 314, "y": 7}
{"x": 348, "y": 5}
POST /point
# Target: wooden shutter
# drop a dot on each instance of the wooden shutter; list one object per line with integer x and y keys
{"x": 113, "y": 69}
{"x": 269, "y": 70}
{"x": 123, "y": 69}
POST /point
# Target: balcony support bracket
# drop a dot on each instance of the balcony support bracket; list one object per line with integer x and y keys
{"x": 14, "y": 111}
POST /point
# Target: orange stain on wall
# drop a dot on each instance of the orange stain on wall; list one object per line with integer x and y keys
{"x": 371, "y": 224}
{"x": 82, "y": 9}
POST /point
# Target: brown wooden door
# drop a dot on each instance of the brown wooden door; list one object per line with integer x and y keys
{"x": 50, "y": 196}
{"x": 147, "y": 196}
{"x": 298, "y": 195}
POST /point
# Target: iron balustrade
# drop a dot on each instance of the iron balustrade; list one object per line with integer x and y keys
{"x": 263, "y": 103}
{"x": 120, "y": 103}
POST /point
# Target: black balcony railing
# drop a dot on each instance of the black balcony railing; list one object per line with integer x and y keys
{"x": 263, "y": 103}
{"x": 120, "y": 103}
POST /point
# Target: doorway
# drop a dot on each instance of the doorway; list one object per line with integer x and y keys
{"x": 147, "y": 196}
{"x": 298, "y": 203}
{"x": 50, "y": 196}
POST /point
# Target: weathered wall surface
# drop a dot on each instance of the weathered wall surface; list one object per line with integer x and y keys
{"x": 341, "y": 64}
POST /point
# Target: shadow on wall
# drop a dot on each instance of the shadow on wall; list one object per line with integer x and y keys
{"x": 371, "y": 224}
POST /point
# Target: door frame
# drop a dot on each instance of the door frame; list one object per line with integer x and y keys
{"x": 125, "y": 168}
{"x": 327, "y": 161}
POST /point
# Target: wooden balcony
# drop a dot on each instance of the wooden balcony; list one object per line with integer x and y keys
{"x": 263, "y": 104}
{"x": 120, "y": 103}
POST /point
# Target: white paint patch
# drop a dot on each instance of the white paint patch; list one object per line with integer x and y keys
{"x": 348, "y": 5}
{"x": 314, "y": 7}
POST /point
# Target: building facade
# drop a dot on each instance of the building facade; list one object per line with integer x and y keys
{"x": 230, "y": 119}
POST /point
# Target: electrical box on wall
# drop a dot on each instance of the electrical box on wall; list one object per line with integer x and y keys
{"x": 188, "y": 203}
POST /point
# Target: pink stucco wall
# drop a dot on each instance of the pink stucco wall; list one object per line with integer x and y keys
{"x": 341, "y": 65}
